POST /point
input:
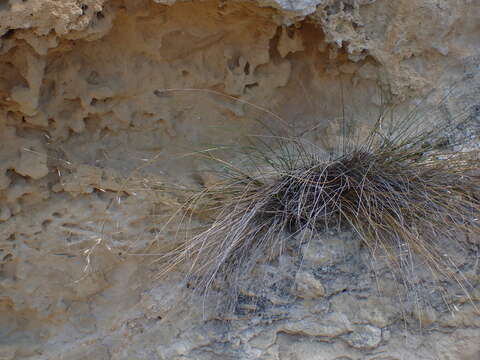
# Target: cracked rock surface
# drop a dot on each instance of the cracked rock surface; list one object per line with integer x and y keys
{"x": 93, "y": 119}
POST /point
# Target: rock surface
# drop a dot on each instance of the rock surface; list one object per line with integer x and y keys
{"x": 93, "y": 119}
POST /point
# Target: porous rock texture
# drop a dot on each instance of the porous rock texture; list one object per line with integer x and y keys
{"x": 79, "y": 215}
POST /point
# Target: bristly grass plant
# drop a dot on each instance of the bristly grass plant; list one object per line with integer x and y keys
{"x": 405, "y": 190}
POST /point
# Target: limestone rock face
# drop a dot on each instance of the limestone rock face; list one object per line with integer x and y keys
{"x": 100, "y": 100}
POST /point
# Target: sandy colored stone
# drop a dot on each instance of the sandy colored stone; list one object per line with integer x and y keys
{"x": 95, "y": 115}
{"x": 307, "y": 286}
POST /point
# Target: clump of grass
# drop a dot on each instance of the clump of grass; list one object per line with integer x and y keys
{"x": 405, "y": 189}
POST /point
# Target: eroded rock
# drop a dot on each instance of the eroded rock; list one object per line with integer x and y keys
{"x": 99, "y": 102}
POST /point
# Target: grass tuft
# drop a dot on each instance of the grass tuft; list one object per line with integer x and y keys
{"x": 405, "y": 189}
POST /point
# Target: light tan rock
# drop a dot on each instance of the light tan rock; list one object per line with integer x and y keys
{"x": 307, "y": 286}
{"x": 100, "y": 100}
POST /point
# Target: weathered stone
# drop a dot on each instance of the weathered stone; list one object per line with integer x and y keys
{"x": 307, "y": 286}
{"x": 100, "y": 100}
{"x": 364, "y": 337}
{"x": 331, "y": 325}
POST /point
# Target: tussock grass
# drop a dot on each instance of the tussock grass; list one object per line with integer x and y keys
{"x": 405, "y": 189}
